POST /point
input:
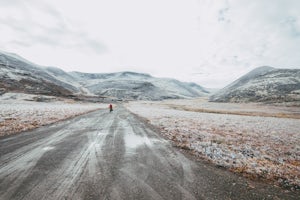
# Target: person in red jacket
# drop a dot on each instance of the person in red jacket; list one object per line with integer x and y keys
{"x": 110, "y": 108}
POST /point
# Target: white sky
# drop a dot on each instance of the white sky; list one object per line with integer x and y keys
{"x": 210, "y": 42}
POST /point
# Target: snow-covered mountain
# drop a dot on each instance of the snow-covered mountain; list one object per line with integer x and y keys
{"x": 263, "y": 84}
{"x": 20, "y": 75}
{"x": 17, "y": 74}
{"x": 130, "y": 85}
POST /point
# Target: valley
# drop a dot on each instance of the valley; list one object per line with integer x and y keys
{"x": 249, "y": 128}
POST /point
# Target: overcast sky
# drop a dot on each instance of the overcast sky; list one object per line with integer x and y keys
{"x": 210, "y": 42}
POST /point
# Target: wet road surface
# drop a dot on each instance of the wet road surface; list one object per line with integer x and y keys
{"x": 115, "y": 155}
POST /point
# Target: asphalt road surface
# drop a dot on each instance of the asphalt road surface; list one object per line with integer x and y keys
{"x": 115, "y": 155}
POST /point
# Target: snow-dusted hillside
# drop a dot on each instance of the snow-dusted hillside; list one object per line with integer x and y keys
{"x": 263, "y": 84}
{"x": 17, "y": 74}
{"x": 20, "y": 75}
{"x": 131, "y": 85}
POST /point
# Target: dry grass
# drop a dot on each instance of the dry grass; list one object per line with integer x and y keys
{"x": 243, "y": 113}
{"x": 18, "y": 116}
{"x": 17, "y": 125}
{"x": 259, "y": 141}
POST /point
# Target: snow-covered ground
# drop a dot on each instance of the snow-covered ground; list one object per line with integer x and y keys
{"x": 18, "y": 112}
{"x": 247, "y": 140}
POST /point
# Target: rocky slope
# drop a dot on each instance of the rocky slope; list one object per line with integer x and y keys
{"x": 263, "y": 84}
{"x": 20, "y": 75}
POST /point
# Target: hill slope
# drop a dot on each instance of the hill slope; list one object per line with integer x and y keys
{"x": 263, "y": 84}
{"x": 17, "y": 74}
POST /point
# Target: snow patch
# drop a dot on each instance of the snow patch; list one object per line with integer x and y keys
{"x": 133, "y": 141}
{"x": 48, "y": 148}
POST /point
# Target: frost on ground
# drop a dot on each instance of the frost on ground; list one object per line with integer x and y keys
{"x": 257, "y": 146}
{"x": 18, "y": 112}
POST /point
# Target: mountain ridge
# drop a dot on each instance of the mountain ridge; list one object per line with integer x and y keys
{"x": 21, "y": 75}
{"x": 263, "y": 84}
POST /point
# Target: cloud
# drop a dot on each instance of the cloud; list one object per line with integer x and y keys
{"x": 291, "y": 24}
{"x": 238, "y": 36}
{"x": 38, "y": 23}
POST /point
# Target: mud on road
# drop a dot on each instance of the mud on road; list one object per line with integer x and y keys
{"x": 115, "y": 155}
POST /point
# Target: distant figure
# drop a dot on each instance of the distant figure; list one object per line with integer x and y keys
{"x": 110, "y": 108}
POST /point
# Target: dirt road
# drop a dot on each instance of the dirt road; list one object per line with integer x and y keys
{"x": 115, "y": 155}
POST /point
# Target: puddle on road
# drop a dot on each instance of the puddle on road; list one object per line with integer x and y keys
{"x": 132, "y": 141}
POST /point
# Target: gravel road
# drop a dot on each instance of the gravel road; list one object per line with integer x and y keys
{"x": 116, "y": 155}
